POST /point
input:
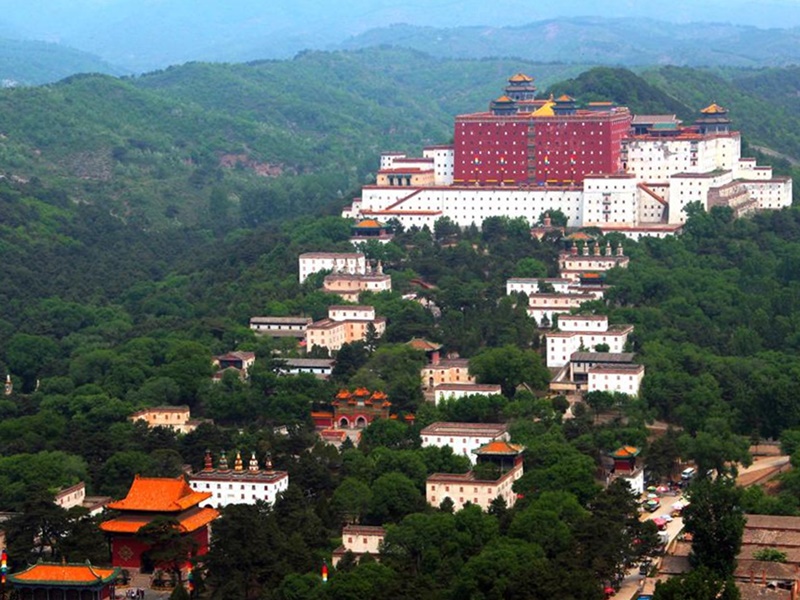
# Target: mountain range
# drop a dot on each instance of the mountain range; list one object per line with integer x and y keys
{"x": 121, "y": 36}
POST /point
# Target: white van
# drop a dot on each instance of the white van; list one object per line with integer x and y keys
{"x": 688, "y": 473}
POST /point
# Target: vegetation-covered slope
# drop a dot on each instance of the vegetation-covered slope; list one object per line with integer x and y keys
{"x": 153, "y": 148}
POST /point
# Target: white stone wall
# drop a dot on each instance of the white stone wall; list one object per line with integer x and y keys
{"x": 224, "y": 492}
{"x": 531, "y": 286}
{"x": 582, "y": 323}
{"x": 443, "y": 163}
{"x": 771, "y": 194}
{"x": 611, "y": 200}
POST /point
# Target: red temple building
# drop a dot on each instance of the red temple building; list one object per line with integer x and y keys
{"x": 525, "y": 141}
{"x": 46, "y": 581}
{"x": 147, "y": 499}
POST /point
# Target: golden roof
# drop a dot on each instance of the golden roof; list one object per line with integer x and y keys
{"x": 504, "y": 99}
{"x": 565, "y": 98}
{"x": 713, "y": 109}
{"x": 545, "y": 110}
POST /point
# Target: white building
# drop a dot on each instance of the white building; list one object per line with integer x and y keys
{"x": 584, "y": 332}
{"x": 625, "y": 379}
{"x": 573, "y": 265}
{"x": 238, "y": 485}
{"x": 75, "y": 495}
{"x": 280, "y": 326}
{"x": 528, "y": 286}
{"x": 321, "y": 367}
{"x": 542, "y": 308}
{"x": 353, "y": 263}
{"x": 454, "y": 391}
{"x": 463, "y": 438}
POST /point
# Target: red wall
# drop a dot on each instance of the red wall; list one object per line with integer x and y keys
{"x": 491, "y": 151}
{"x": 569, "y": 148}
{"x": 201, "y": 536}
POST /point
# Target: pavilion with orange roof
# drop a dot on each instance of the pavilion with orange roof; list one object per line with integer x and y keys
{"x": 147, "y": 499}
{"x": 53, "y": 580}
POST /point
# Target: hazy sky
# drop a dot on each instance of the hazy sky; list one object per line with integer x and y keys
{"x": 38, "y": 15}
{"x": 146, "y": 34}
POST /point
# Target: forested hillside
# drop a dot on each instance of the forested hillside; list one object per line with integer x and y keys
{"x": 153, "y": 149}
{"x": 138, "y": 238}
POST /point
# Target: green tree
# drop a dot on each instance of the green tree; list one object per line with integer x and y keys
{"x": 168, "y": 545}
{"x": 715, "y": 519}
{"x": 394, "y": 496}
{"x": 509, "y": 366}
{"x": 351, "y": 500}
{"x": 699, "y": 584}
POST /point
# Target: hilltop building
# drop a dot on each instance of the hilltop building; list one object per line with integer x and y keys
{"x": 344, "y": 325}
{"x": 177, "y": 418}
{"x": 445, "y": 371}
{"x": 75, "y": 495}
{"x": 628, "y": 468}
{"x": 463, "y": 438}
{"x": 353, "y": 263}
{"x": 147, "y": 499}
{"x": 599, "y": 165}
{"x": 370, "y": 230}
{"x": 454, "y": 391}
{"x": 350, "y": 286}
{"x": 238, "y": 485}
{"x": 278, "y": 327}
{"x": 576, "y": 332}
{"x": 462, "y": 488}
{"x": 238, "y": 362}
{"x": 360, "y": 540}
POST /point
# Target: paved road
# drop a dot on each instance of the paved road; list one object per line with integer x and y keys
{"x": 630, "y": 588}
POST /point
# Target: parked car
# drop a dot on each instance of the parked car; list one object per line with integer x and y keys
{"x": 652, "y": 505}
{"x": 688, "y": 473}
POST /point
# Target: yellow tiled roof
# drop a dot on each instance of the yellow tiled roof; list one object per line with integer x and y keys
{"x": 713, "y": 109}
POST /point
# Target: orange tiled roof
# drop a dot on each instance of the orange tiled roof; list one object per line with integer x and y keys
{"x": 565, "y": 98}
{"x": 423, "y": 344}
{"x": 369, "y": 224}
{"x": 626, "y": 452}
{"x": 191, "y": 521}
{"x": 159, "y": 494}
{"x": 500, "y": 447}
{"x": 504, "y": 99}
{"x": 65, "y": 574}
{"x": 520, "y": 77}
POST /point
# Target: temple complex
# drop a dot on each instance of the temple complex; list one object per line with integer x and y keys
{"x": 148, "y": 499}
